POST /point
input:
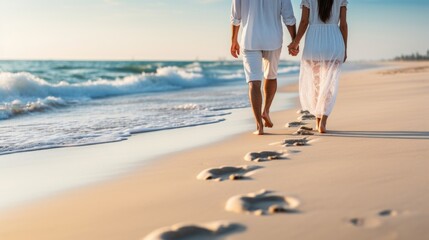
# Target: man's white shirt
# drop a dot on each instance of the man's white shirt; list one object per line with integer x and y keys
{"x": 261, "y": 22}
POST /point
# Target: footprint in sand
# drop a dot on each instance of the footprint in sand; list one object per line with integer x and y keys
{"x": 262, "y": 203}
{"x": 295, "y": 124}
{"x": 304, "y": 128}
{"x": 264, "y": 156}
{"x": 295, "y": 142}
{"x": 209, "y": 231}
{"x": 375, "y": 221}
{"x": 228, "y": 173}
{"x": 388, "y": 213}
{"x": 365, "y": 223}
{"x": 303, "y": 132}
{"x": 307, "y": 117}
{"x": 303, "y": 112}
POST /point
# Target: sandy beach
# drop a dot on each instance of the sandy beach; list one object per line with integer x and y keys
{"x": 367, "y": 178}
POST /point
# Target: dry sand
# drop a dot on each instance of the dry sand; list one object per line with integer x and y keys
{"x": 368, "y": 178}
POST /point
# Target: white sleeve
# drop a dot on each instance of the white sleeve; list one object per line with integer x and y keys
{"x": 236, "y": 12}
{"x": 305, "y": 3}
{"x": 287, "y": 13}
{"x": 344, "y": 3}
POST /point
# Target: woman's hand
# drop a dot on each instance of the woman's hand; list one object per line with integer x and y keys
{"x": 293, "y": 48}
{"x": 235, "y": 49}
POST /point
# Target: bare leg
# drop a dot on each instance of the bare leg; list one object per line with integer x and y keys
{"x": 316, "y": 84}
{"x": 270, "y": 88}
{"x": 255, "y": 97}
{"x": 323, "y": 121}
{"x": 318, "y": 123}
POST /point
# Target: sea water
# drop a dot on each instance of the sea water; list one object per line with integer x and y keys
{"x": 50, "y": 104}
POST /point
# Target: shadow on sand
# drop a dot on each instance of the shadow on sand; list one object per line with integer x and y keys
{"x": 380, "y": 134}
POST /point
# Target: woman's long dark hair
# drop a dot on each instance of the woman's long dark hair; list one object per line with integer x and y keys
{"x": 325, "y": 8}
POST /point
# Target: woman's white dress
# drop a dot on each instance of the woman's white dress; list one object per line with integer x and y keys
{"x": 321, "y": 62}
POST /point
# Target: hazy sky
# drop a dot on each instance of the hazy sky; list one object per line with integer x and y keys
{"x": 183, "y": 29}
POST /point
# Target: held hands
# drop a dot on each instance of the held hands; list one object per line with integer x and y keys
{"x": 293, "y": 48}
{"x": 235, "y": 49}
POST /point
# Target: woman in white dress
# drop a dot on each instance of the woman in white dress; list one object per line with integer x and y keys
{"x": 324, "y": 52}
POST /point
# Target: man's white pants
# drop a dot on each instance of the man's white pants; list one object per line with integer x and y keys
{"x": 259, "y": 64}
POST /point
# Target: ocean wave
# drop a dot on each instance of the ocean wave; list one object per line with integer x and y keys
{"x": 23, "y": 84}
{"x": 24, "y": 92}
{"x": 195, "y": 67}
{"x": 137, "y": 69}
{"x": 237, "y": 75}
{"x": 291, "y": 69}
{"x": 17, "y": 107}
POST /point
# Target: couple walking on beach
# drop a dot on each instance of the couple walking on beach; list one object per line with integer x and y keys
{"x": 325, "y": 50}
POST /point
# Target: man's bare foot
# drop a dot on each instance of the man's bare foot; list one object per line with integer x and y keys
{"x": 259, "y": 132}
{"x": 267, "y": 120}
{"x": 260, "y": 129}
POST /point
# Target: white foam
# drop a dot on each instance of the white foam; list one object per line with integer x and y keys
{"x": 292, "y": 69}
{"x": 24, "y": 92}
{"x": 16, "y": 107}
{"x": 237, "y": 75}
{"x": 23, "y": 84}
{"x": 195, "y": 67}
{"x": 188, "y": 106}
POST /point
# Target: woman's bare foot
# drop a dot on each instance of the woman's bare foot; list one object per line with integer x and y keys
{"x": 322, "y": 124}
{"x": 267, "y": 120}
{"x": 317, "y": 124}
{"x": 322, "y": 129}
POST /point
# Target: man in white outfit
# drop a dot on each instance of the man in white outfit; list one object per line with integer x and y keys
{"x": 261, "y": 44}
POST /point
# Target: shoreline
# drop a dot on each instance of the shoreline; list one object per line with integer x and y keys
{"x": 92, "y": 164}
{"x": 283, "y": 80}
{"x": 141, "y": 207}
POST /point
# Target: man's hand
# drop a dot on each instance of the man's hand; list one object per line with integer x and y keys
{"x": 235, "y": 49}
{"x": 293, "y": 52}
{"x": 293, "y": 48}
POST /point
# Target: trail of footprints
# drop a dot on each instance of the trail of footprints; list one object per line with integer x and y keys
{"x": 264, "y": 202}
{"x": 213, "y": 230}
{"x": 228, "y": 173}
{"x": 264, "y": 156}
{"x": 375, "y": 220}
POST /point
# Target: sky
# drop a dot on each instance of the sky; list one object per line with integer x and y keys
{"x": 184, "y": 29}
